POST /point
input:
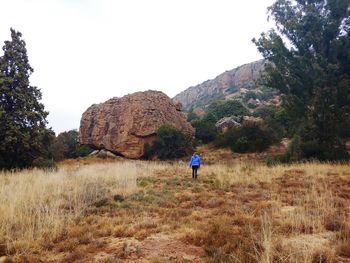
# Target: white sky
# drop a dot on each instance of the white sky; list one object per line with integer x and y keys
{"x": 87, "y": 51}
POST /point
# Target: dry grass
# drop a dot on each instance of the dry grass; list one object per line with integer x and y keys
{"x": 235, "y": 212}
{"x": 37, "y": 206}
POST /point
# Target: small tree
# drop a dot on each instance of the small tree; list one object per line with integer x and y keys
{"x": 220, "y": 109}
{"x": 23, "y": 133}
{"x": 250, "y": 137}
{"x": 205, "y": 131}
{"x": 66, "y": 145}
{"x": 170, "y": 144}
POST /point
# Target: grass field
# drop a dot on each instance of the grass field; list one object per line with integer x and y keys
{"x": 133, "y": 211}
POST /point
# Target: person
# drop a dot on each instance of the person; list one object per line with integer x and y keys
{"x": 195, "y": 163}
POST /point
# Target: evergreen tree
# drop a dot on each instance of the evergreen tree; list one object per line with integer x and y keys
{"x": 310, "y": 64}
{"x": 23, "y": 134}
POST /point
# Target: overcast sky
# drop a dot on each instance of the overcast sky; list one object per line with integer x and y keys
{"x": 87, "y": 51}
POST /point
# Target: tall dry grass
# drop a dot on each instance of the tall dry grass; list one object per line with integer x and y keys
{"x": 238, "y": 212}
{"x": 305, "y": 214}
{"x": 36, "y": 206}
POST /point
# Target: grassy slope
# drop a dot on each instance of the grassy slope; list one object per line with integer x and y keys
{"x": 243, "y": 212}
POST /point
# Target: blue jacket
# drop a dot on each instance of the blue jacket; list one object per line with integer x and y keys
{"x": 195, "y": 160}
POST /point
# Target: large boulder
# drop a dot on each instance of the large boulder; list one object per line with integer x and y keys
{"x": 124, "y": 125}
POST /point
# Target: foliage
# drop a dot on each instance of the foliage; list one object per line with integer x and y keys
{"x": 225, "y": 109}
{"x": 203, "y": 101}
{"x": 250, "y": 95}
{"x": 191, "y": 116}
{"x": 250, "y": 137}
{"x": 264, "y": 94}
{"x": 305, "y": 145}
{"x": 232, "y": 89}
{"x": 215, "y": 104}
{"x": 43, "y": 163}
{"x": 23, "y": 133}
{"x": 311, "y": 70}
{"x": 276, "y": 118}
{"x": 66, "y": 145}
{"x": 205, "y": 131}
{"x": 169, "y": 144}
{"x": 267, "y": 93}
{"x": 83, "y": 150}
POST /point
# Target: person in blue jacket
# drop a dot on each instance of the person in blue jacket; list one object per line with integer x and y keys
{"x": 195, "y": 163}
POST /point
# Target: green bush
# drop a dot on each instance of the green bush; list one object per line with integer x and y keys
{"x": 83, "y": 150}
{"x": 66, "y": 145}
{"x": 315, "y": 150}
{"x": 225, "y": 109}
{"x": 169, "y": 144}
{"x": 191, "y": 116}
{"x": 250, "y": 95}
{"x": 250, "y": 137}
{"x": 306, "y": 145}
{"x": 276, "y": 118}
{"x": 205, "y": 131}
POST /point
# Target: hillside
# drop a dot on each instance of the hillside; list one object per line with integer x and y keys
{"x": 232, "y": 83}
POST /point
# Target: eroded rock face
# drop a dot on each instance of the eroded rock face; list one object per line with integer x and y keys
{"x": 226, "y": 85}
{"x": 124, "y": 125}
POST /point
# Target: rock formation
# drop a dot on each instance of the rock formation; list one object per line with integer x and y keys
{"x": 227, "y": 85}
{"x": 124, "y": 125}
{"x": 227, "y": 123}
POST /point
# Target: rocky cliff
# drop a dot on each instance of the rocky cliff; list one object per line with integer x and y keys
{"x": 124, "y": 125}
{"x": 228, "y": 84}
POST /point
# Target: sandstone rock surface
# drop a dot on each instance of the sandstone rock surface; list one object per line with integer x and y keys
{"x": 124, "y": 125}
{"x": 226, "y": 85}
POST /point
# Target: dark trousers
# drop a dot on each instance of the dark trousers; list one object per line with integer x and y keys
{"x": 194, "y": 171}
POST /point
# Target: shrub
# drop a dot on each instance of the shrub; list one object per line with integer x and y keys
{"x": 250, "y": 95}
{"x": 169, "y": 144}
{"x": 267, "y": 93}
{"x": 83, "y": 150}
{"x": 191, "y": 116}
{"x": 66, "y": 145}
{"x": 306, "y": 145}
{"x": 275, "y": 117}
{"x": 205, "y": 131}
{"x": 250, "y": 137}
{"x": 225, "y": 109}
{"x": 43, "y": 163}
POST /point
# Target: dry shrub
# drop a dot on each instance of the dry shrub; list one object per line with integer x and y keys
{"x": 222, "y": 240}
{"x": 325, "y": 255}
{"x": 123, "y": 231}
{"x": 343, "y": 249}
{"x": 67, "y": 245}
{"x": 74, "y": 256}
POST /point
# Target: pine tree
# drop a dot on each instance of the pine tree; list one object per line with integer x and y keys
{"x": 310, "y": 64}
{"x": 23, "y": 133}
